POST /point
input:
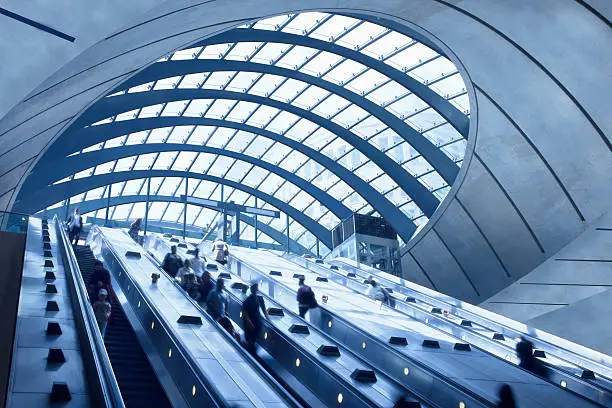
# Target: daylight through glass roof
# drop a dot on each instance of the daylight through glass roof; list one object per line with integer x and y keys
{"x": 328, "y": 114}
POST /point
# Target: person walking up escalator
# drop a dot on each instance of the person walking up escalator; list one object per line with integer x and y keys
{"x": 251, "y": 317}
{"x": 305, "y": 297}
{"x": 172, "y": 262}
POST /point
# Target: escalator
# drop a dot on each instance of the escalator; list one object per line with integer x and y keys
{"x": 137, "y": 381}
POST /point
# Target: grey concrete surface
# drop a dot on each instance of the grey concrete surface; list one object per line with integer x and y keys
{"x": 540, "y": 123}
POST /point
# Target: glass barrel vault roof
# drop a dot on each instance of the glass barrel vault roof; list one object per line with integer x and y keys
{"x": 302, "y": 76}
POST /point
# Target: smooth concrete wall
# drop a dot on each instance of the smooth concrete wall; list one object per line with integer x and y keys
{"x": 569, "y": 292}
{"x": 539, "y": 159}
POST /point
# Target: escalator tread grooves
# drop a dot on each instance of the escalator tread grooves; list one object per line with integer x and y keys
{"x": 137, "y": 381}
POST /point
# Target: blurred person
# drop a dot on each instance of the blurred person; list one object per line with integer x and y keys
{"x": 102, "y": 311}
{"x": 251, "y": 317}
{"x": 172, "y": 262}
{"x": 75, "y": 224}
{"x": 99, "y": 279}
{"x": 506, "y": 397}
{"x": 184, "y": 270}
{"x": 135, "y": 229}
{"x": 216, "y": 301}
{"x": 305, "y": 297}
{"x": 220, "y": 251}
{"x": 206, "y": 285}
{"x": 191, "y": 286}
{"x": 197, "y": 263}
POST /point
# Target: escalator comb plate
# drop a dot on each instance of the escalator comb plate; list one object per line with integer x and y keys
{"x": 398, "y": 341}
{"x": 329, "y": 351}
{"x": 367, "y": 376}
{"x": 299, "y": 328}
{"x": 186, "y": 319}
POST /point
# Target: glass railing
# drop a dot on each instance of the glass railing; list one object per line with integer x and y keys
{"x": 14, "y": 222}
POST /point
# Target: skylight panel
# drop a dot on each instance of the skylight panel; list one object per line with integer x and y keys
{"x": 411, "y": 56}
{"x": 272, "y": 23}
{"x": 216, "y": 51}
{"x": 383, "y": 183}
{"x": 289, "y": 90}
{"x": 164, "y": 160}
{"x": 277, "y": 153}
{"x": 240, "y": 141}
{"x": 169, "y": 186}
{"x": 243, "y": 51}
{"x": 218, "y": 80}
{"x": 137, "y": 138}
{"x": 417, "y": 166}
{"x": 442, "y": 192}
{"x": 179, "y": 134}
{"x": 204, "y": 189}
{"x": 392, "y": 42}
{"x": 145, "y": 161}
{"x": 241, "y": 111}
{"x": 334, "y": 27}
{"x": 293, "y": 160}
{"x": 262, "y": 116}
{"x": 220, "y": 108}
{"x": 127, "y": 115}
{"x": 156, "y": 183}
{"x": 221, "y": 166}
{"x": 237, "y": 171}
{"x": 85, "y": 173}
{"x": 125, "y": 163}
{"x": 450, "y": 86}
{"x": 361, "y": 35}
{"x": 95, "y": 194}
{"x": 354, "y": 201}
{"x": 329, "y": 221}
{"x": 266, "y": 85}
{"x": 426, "y": 119}
{"x": 411, "y": 210}
{"x": 406, "y": 106}
{"x": 156, "y": 210}
{"x": 187, "y": 54}
{"x": 220, "y": 137}
{"x": 353, "y": 159}
{"x": 433, "y": 70}
{"x": 333, "y": 148}
{"x": 301, "y": 129}
{"x": 191, "y": 81}
{"x": 344, "y": 72}
{"x": 259, "y": 146}
{"x": 319, "y": 139}
{"x": 158, "y": 135}
{"x": 368, "y": 171}
{"x": 116, "y": 188}
{"x": 367, "y": 81}
{"x": 443, "y": 134}
{"x": 462, "y": 102}
{"x": 174, "y": 108}
{"x": 340, "y": 190}
{"x": 172, "y": 212}
{"x": 151, "y": 111}
{"x": 368, "y": 127}
{"x": 242, "y": 81}
{"x": 140, "y": 88}
{"x": 309, "y": 170}
{"x": 325, "y": 180}
{"x": 304, "y": 22}
{"x": 455, "y": 150}
{"x": 91, "y": 148}
{"x": 432, "y": 180}
{"x": 114, "y": 142}
{"x": 255, "y": 176}
{"x": 350, "y": 116}
{"x": 398, "y": 197}
{"x": 297, "y": 56}
{"x": 282, "y": 122}
{"x": 197, "y": 107}
{"x": 192, "y": 213}
{"x": 184, "y": 161}
{"x": 270, "y": 52}
{"x": 103, "y": 121}
{"x": 132, "y": 187}
{"x": 121, "y": 211}
{"x": 315, "y": 211}
{"x": 295, "y": 230}
{"x": 387, "y": 93}
{"x": 286, "y": 191}
{"x": 320, "y": 64}
{"x": 167, "y": 83}
{"x": 310, "y": 97}
{"x": 402, "y": 152}
{"x": 105, "y": 168}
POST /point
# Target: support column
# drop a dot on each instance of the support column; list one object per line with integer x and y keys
{"x": 256, "y": 244}
{"x": 318, "y": 250}
{"x": 237, "y": 226}
{"x": 223, "y": 215}
{"x": 185, "y": 208}
{"x": 67, "y": 205}
{"x": 110, "y": 187}
{"x": 288, "y": 233}
{"x": 146, "y": 218}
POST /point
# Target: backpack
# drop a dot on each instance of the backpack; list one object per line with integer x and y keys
{"x": 310, "y": 299}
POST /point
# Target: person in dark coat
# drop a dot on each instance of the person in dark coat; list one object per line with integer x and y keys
{"x": 172, "y": 262}
{"x": 506, "y": 397}
{"x": 99, "y": 279}
{"x": 252, "y": 322}
{"x": 305, "y": 297}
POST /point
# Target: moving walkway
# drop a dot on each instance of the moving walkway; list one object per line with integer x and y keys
{"x": 417, "y": 343}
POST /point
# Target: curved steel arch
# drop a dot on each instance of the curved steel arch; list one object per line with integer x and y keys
{"x": 81, "y": 138}
{"x": 99, "y": 203}
{"x": 111, "y": 106}
{"x": 49, "y": 195}
{"x": 441, "y": 162}
{"x": 74, "y": 164}
{"x": 447, "y": 110}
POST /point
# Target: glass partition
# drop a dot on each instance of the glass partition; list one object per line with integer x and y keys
{"x": 14, "y": 222}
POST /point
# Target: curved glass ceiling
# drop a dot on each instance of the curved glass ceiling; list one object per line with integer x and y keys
{"x": 282, "y": 97}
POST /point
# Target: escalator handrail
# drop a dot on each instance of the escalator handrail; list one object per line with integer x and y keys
{"x": 445, "y": 379}
{"x": 501, "y": 321}
{"x": 217, "y": 399}
{"x": 101, "y": 375}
